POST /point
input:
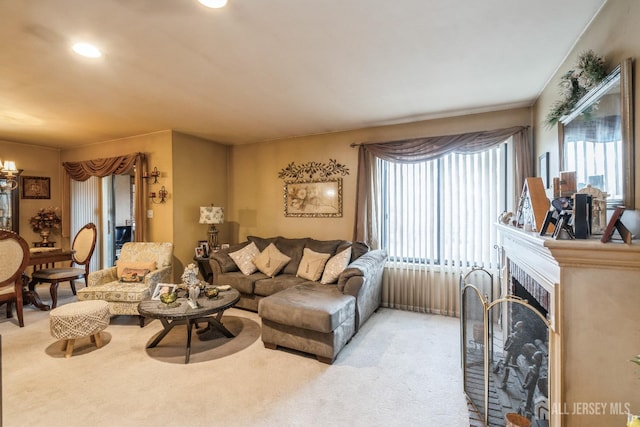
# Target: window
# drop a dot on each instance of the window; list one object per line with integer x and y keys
{"x": 442, "y": 212}
{"x": 597, "y": 164}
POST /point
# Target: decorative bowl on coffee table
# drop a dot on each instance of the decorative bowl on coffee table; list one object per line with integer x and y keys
{"x": 211, "y": 292}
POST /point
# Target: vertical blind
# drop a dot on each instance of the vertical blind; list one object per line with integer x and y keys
{"x": 85, "y": 209}
{"x": 437, "y": 222}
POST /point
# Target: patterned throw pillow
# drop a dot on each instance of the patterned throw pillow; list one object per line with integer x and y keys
{"x": 136, "y": 265}
{"x": 271, "y": 261}
{"x": 335, "y": 266}
{"x": 312, "y": 264}
{"x": 244, "y": 258}
{"x": 133, "y": 274}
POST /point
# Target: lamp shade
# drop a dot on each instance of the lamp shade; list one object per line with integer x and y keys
{"x": 211, "y": 215}
{"x": 9, "y": 167}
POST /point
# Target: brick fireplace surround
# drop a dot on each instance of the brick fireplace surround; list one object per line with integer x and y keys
{"x": 593, "y": 301}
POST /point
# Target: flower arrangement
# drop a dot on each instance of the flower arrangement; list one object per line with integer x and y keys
{"x": 45, "y": 219}
{"x": 574, "y": 84}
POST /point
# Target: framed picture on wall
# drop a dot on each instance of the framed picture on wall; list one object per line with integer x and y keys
{"x": 36, "y": 187}
{"x": 315, "y": 199}
{"x": 543, "y": 166}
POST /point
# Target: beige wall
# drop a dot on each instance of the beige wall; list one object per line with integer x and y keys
{"x": 199, "y": 179}
{"x": 256, "y": 193}
{"x": 615, "y": 35}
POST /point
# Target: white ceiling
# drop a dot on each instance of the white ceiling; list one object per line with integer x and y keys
{"x": 268, "y": 69}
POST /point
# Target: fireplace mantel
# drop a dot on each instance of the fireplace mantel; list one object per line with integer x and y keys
{"x": 577, "y": 253}
{"x": 594, "y": 313}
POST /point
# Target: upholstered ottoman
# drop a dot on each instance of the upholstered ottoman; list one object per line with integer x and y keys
{"x": 313, "y": 318}
{"x": 78, "y": 320}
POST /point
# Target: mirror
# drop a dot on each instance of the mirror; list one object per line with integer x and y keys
{"x": 596, "y": 138}
{"x": 9, "y": 206}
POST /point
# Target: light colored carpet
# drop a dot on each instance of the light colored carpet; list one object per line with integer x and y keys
{"x": 401, "y": 369}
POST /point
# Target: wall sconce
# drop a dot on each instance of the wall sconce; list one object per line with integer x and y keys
{"x": 162, "y": 195}
{"x": 8, "y": 172}
{"x": 212, "y": 215}
{"x": 155, "y": 173}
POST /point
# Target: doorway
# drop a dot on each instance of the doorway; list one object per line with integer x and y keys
{"x": 123, "y": 211}
{"x": 108, "y": 202}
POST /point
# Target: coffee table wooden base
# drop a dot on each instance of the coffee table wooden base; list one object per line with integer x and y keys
{"x": 207, "y": 310}
{"x": 211, "y": 322}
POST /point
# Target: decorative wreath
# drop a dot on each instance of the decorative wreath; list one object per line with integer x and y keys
{"x": 574, "y": 84}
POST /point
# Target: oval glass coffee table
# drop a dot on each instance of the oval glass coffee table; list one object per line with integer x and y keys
{"x": 181, "y": 313}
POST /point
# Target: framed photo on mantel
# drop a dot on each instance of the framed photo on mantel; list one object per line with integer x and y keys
{"x": 533, "y": 205}
{"x": 615, "y": 224}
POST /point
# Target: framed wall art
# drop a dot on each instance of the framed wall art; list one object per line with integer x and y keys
{"x": 36, "y": 187}
{"x": 313, "y": 199}
{"x": 543, "y": 167}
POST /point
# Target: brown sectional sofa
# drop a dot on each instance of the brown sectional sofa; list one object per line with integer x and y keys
{"x": 301, "y": 314}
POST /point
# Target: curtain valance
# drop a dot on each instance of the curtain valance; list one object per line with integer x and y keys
{"x": 82, "y": 171}
{"x": 428, "y": 148}
{"x": 600, "y": 130}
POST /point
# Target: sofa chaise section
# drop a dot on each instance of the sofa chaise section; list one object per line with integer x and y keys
{"x": 307, "y": 315}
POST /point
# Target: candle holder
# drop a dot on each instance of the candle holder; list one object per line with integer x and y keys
{"x": 161, "y": 195}
{"x": 155, "y": 173}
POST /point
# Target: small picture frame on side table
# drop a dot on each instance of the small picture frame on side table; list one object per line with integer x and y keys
{"x": 162, "y": 288}
{"x": 205, "y": 247}
{"x": 199, "y": 252}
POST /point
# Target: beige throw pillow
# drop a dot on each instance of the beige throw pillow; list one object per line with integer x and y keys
{"x": 244, "y": 258}
{"x": 271, "y": 261}
{"x": 135, "y": 265}
{"x": 335, "y": 266}
{"x": 133, "y": 274}
{"x": 312, "y": 264}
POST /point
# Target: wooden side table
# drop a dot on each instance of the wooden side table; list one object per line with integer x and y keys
{"x": 205, "y": 268}
{"x": 44, "y": 244}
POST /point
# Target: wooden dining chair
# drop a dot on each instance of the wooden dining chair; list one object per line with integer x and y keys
{"x": 14, "y": 253}
{"x": 81, "y": 251}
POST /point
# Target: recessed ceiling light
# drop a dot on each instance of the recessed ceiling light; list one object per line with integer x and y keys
{"x": 87, "y": 50}
{"x": 214, "y": 4}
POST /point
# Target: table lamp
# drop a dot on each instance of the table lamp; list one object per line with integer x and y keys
{"x": 212, "y": 215}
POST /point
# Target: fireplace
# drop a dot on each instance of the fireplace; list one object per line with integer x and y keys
{"x": 585, "y": 295}
{"x": 505, "y": 351}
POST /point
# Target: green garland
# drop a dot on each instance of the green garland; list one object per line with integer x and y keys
{"x": 574, "y": 84}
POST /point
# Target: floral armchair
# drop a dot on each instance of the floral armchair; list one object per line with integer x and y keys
{"x": 150, "y": 263}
